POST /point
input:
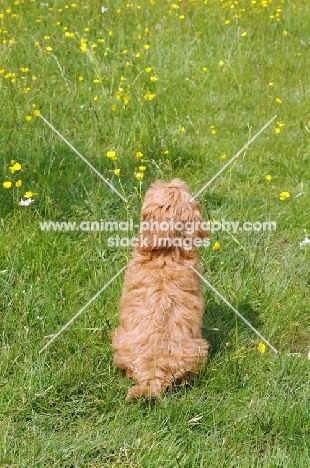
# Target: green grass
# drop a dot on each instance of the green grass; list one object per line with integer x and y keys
{"x": 65, "y": 407}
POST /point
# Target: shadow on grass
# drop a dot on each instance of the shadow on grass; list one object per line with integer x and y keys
{"x": 223, "y": 326}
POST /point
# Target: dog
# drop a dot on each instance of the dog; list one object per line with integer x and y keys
{"x": 159, "y": 339}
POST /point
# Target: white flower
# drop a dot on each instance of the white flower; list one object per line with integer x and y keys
{"x": 304, "y": 242}
{"x": 26, "y": 202}
{"x": 104, "y": 9}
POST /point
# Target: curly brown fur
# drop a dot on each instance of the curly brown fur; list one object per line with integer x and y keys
{"x": 159, "y": 338}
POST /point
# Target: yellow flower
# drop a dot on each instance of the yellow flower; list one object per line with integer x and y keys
{"x": 110, "y": 33}
{"x": 183, "y": 129}
{"x": 139, "y": 175}
{"x": 216, "y": 246}
{"x": 138, "y": 54}
{"x": 116, "y": 172}
{"x": 7, "y": 185}
{"x": 146, "y": 46}
{"x": 68, "y": 34}
{"x": 95, "y": 98}
{"x": 9, "y": 75}
{"x": 221, "y": 63}
{"x": 244, "y": 34}
{"x": 166, "y": 152}
{"x": 280, "y": 124}
{"x": 284, "y": 195}
{"x": 28, "y": 118}
{"x": 149, "y": 96}
{"x": 37, "y": 112}
{"x": 113, "y": 107}
{"x": 16, "y": 166}
{"x": 285, "y": 33}
{"x": 204, "y": 69}
{"x": 96, "y": 80}
{"x": 271, "y": 83}
{"x": 111, "y": 155}
{"x": 268, "y": 177}
{"x": 277, "y": 130}
{"x": 148, "y": 69}
{"x": 25, "y": 70}
{"x": 118, "y": 95}
{"x": 126, "y": 99}
{"x": 29, "y": 194}
{"x": 153, "y": 78}
{"x": 142, "y": 168}
{"x": 278, "y": 100}
{"x": 139, "y": 154}
{"x": 181, "y": 17}
{"x": 81, "y": 78}
{"x": 224, "y": 156}
{"x": 18, "y": 183}
{"x": 261, "y": 347}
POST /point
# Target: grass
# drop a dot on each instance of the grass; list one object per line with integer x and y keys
{"x": 65, "y": 407}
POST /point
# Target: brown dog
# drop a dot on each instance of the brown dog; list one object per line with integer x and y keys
{"x": 159, "y": 338}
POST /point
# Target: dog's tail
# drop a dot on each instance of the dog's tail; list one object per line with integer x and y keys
{"x": 152, "y": 389}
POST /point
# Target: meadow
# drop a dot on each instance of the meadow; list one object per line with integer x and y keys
{"x": 146, "y": 90}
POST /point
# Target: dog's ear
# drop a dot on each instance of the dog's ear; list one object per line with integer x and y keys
{"x": 195, "y": 227}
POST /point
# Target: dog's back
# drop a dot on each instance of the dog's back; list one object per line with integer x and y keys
{"x": 159, "y": 338}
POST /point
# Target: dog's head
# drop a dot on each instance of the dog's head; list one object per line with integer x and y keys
{"x": 171, "y": 219}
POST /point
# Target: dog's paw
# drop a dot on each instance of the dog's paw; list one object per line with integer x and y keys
{"x": 149, "y": 391}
